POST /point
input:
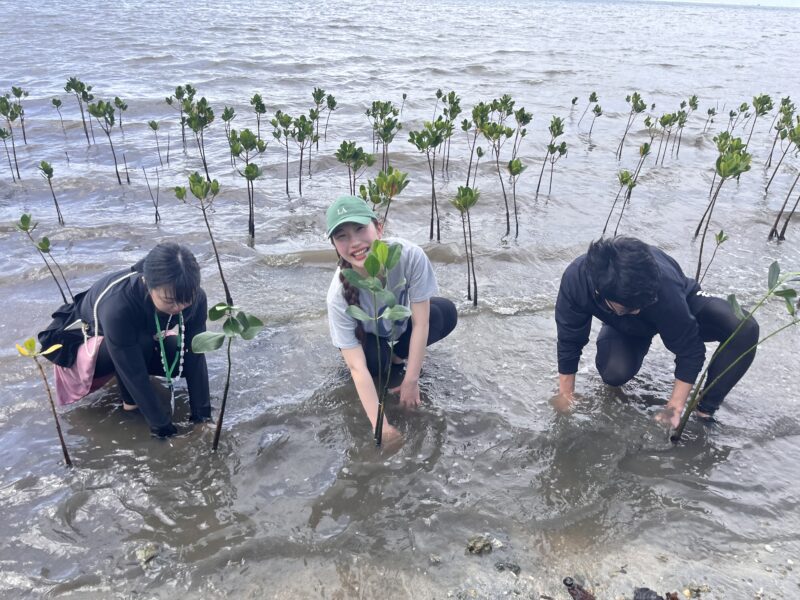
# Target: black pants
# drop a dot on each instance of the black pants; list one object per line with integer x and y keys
{"x": 620, "y": 356}
{"x": 443, "y": 319}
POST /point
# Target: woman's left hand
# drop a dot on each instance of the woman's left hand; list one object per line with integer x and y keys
{"x": 409, "y": 393}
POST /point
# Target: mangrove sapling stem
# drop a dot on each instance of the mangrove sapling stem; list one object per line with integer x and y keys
{"x": 472, "y": 261}
{"x": 154, "y": 199}
{"x": 466, "y": 251}
{"x": 26, "y": 226}
{"x": 58, "y": 209}
{"x": 57, "y": 105}
{"x": 721, "y": 238}
{"x": 218, "y": 429}
{"x": 775, "y": 172}
{"x": 168, "y": 145}
{"x": 773, "y": 232}
{"x": 3, "y": 135}
{"x": 610, "y": 212}
{"x": 125, "y": 162}
{"x": 503, "y": 189}
{"x": 228, "y": 297}
{"x": 782, "y": 235}
{"x": 67, "y": 459}
{"x": 705, "y": 229}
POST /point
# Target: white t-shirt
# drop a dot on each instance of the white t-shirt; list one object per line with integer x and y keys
{"x": 412, "y": 280}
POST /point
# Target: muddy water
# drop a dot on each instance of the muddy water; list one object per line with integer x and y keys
{"x": 298, "y": 502}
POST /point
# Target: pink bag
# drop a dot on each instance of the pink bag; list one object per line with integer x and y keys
{"x": 75, "y": 382}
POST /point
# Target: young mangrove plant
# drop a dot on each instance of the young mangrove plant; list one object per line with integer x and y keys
{"x": 592, "y": 100}
{"x": 228, "y": 115}
{"x": 103, "y": 112}
{"x": 427, "y": 140}
{"x": 57, "y": 105}
{"x": 637, "y": 105}
{"x": 522, "y": 118}
{"x": 383, "y": 117}
{"x": 5, "y": 135}
{"x": 246, "y": 146}
{"x": 303, "y": 135}
{"x": 10, "y": 112}
{"x": 556, "y": 129}
{"x": 555, "y": 152}
{"x": 356, "y": 160}
{"x": 687, "y": 108}
{"x": 28, "y": 349}
{"x": 711, "y": 112}
{"x": 627, "y": 183}
{"x": 515, "y": 169}
{"x": 793, "y": 135}
{"x": 121, "y": 107}
{"x": 83, "y": 96}
{"x": 282, "y": 132}
{"x": 259, "y": 108}
{"x": 465, "y": 199}
{"x": 781, "y": 123}
{"x": 155, "y": 126}
{"x": 235, "y": 322}
{"x": 794, "y": 138}
{"x": 403, "y": 103}
{"x": 439, "y": 94}
{"x": 153, "y": 197}
{"x": 199, "y": 116}
{"x": 762, "y": 104}
{"x": 19, "y": 94}
{"x": 776, "y": 288}
{"x": 382, "y": 191}
{"x": 451, "y": 110}
{"x": 382, "y": 258}
{"x": 182, "y": 94}
{"x": 46, "y": 171}
{"x": 330, "y": 106}
{"x": 318, "y": 96}
{"x": 472, "y": 127}
{"x": 719, "y": 239}
{"x": 26, "y": 225}
{"x": 598, "y": 112}
{"x": 733, "y": 160}
{"x": 497, "y": 133}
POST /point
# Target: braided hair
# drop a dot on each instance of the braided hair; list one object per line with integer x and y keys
{"x": 350, "y": 293}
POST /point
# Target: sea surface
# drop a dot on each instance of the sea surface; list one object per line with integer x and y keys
{"x": 298, "y": 502}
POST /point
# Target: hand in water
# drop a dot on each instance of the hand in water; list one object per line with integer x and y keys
{"x": 409, "y": 394}
{"x": 391, "y": 439}
{"x": 669, "y": 417}
{"x": 563, "y": 403}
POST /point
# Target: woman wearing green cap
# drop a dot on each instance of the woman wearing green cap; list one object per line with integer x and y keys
{"x": 352, "y": 226}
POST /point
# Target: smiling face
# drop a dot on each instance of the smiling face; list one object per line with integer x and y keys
{"x": 164, "y": 300}
{"x": 353, "y": 241}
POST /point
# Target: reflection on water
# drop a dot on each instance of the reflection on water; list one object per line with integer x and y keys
{"x": 298, "y": 502}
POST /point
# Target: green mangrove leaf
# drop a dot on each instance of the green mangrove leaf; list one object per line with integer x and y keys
{"x": 393, "y": 256}
{"x": 231, "y": 327}
{"x": 219, "y": 310}
{"x": 386, "y": 297}
{"x": 358, "y": 313}
{"x": 207, "y": 341}
{"x": 398, "y": 312}
{"x": 737, "y": 310}
{"x": 372, "y": 265}
{"x": 381, "y": 252}
{"x": 774, "y": 274}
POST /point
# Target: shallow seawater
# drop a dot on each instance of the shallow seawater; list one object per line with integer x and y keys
{"x": 297, "y": 502}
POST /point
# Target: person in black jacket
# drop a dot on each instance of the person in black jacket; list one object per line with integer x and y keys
{"x": 638, "y": 291}
{"x": 148, "y": 315}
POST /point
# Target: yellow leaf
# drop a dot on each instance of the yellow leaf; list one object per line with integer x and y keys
{"x": 22, "y": 350}
{"x": 51, "y": 349}
{"x": 30, "y": 345}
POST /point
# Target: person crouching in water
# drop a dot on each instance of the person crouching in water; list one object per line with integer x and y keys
{"x": 139, "y": 322}
{"x": 638, "y": 291}
{"x": 352, "y": 226}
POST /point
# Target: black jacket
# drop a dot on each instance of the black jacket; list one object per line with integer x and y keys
{"x": 670, "y": 317}
{"x": 125, "y": 314}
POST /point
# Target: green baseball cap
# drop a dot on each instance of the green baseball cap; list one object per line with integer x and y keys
{"x": 348, "y": 209}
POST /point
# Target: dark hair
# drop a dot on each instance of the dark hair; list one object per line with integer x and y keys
{"x": 174, "y": 266}
{"x": 623, "y": 269}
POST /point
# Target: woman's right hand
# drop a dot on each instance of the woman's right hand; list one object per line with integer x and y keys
{"x": 391, "y": 439}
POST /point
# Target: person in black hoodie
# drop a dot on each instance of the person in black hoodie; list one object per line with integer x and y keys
{"x": 148, "y": 315}
{"x": 638, "y": 291}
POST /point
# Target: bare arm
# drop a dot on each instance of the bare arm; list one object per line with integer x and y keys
{"x": 365, "y": 387}
{"x": 562, "y": 402}
{"x": 420, "y": 323}
{"x": 671, "y": 415}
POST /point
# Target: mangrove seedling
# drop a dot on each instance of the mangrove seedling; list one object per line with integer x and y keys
{"x": 356, "y": 160}
{"x": 720, "y": 238}
{"x": 199, "y": 116}
{"x": 235, "y": 322}
{"x": 382, "y": 191}
{"x": 246, "y": 146}
{"x": 228, "y": 115}
{"x": 598, "y": 112}
{"x": 711, "y": 112}
{"x": 282, "y": 132}
{"x": 497, "y": 133}
{"x": 403, "y": 103}
{"x": 4, "y": 135}
{"x": 303, "y": 135}
{"x": 47, "y": 172}
{"x": 385, "y": 125}
{"x": 556, "y": 129}
{"x": 515, "y": 169}
{"x": 57, "y": 105}
{"x": 479, "y": 154}
{"x": 382, "y": 258}
{"x": 776, "y": 288}
{"x": 26, "y": 225}
{"x": 793, "y": 134}
{"x": 592, "y": 100}
{"x": 465, "y": 199}
{"x": 330, "y": 106}
{"x": 427, "y": 140}
{"x": 451, "y": 110}
{"x": 82, "y": 95}
{"x": 555, "y": 152}
{"x": 10, "y": 111}
{"x": 522, "y": 118}
{"x": 154, "y": 126}
{"x": 318, "y": 96}
{"x": 103, "y": 112}
{"x": 19, "y": 94}
{"x": 781, "y": 122}
{"x": 182, "y": 93}
{"x": 439, "y": 94}
{"x": 762, "y": 104}
{"x": 260, "y": 109}
{"x": 154, "y": 197}
{"x": 733, "y": 160}
{"x": 627, "y": 183}
{"x": 28, "y": 349}
{"x": 637, "y": 105}
{"x": 794, "y": 138}
{"x": 480, "y": 115}
{"x": 683, "y": 117}
{"x": 121, "y": 107}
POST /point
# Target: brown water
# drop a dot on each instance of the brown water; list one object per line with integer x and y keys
{"x": 298, "y": 502}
